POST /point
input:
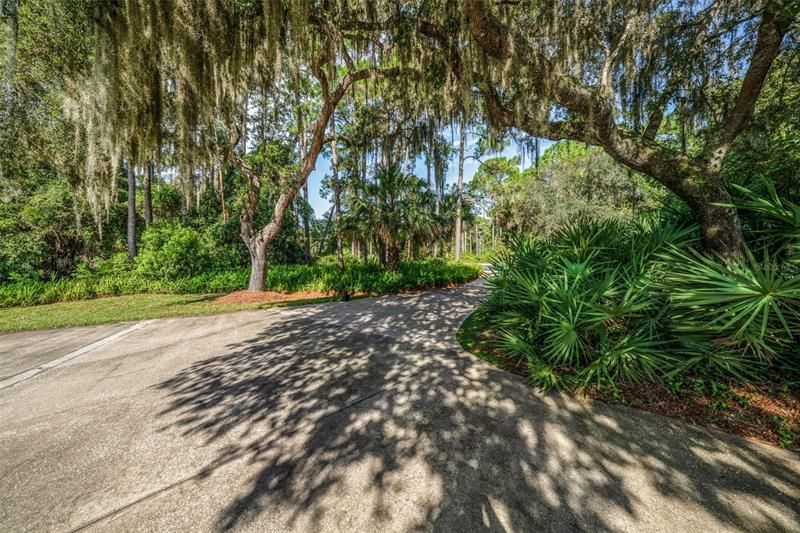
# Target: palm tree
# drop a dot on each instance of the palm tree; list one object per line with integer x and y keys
{"x": 395, "y": 208}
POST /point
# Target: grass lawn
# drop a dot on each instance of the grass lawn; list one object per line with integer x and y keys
{"x": 122, "y": 309}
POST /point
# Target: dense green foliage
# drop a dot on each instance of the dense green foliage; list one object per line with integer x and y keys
{"x": 570, "y": 180}
{"x": 175, "y": 251}
{"x": 620, "y": 302}
{"x": 395, "y": 210}
{"x": 116, "y": 277}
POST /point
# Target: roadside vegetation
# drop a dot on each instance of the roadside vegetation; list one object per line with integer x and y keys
{"x": 626, "y": 306}
{"x": 122, "y": 294}
{"x": 601, "y": 303}
{"x": 323, "y": 276}
{"x": 633, "y": 311}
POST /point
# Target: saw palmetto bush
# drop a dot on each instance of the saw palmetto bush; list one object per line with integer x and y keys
{"x": 609, "y": 302}
{"x": 584, "y": 306}
{"x": 735, "y": 318}
{"x": 773, "y": 222}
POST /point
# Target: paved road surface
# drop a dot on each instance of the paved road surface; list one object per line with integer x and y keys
{"x": 351, "y": 416}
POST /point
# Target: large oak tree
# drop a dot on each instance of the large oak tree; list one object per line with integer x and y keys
{"x": 620, "y": 75}
{"x": 608, "y": 73}
{"x": 187, "y": 70}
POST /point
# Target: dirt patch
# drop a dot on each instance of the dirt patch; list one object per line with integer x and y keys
{"x": 255, "y": 297}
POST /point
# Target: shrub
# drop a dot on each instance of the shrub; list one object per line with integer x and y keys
{"x": 581, "y": 307}
{"x": 732, "y": 317}
{"x": 117, "y": 264}
{"x": 173, "y": 251}
{"x": 608, "y": 302}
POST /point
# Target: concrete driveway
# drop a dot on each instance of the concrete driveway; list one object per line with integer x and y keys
{"x": 356, "y": 416}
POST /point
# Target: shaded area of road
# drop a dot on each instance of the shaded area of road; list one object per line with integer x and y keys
{"x": 362, "y": 415}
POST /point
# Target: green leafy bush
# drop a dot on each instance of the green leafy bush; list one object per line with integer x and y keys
{"x": 609, "y": 302}
{"x": 172, "y": 251}
{"x": 581, "y": 307}
{"x": 38, "y": 239}
{"x": 733, "y": 317}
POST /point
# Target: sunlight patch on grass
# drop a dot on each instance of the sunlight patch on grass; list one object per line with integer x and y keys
{"x": 122, "y": 309}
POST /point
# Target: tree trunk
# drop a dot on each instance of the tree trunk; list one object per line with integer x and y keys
{"x": 337, "y": 205}
{"x": 221, "y": 188}
{"x": 436, "y": 211}
{"x": 131, "y": 211}
{"x": 720, "y": 227}
{"x": 258, "y": 265}
{"x": 242, "y": 148}
{"x": 76, "y": 209}
{"x": 306, "y": 221}
{"x": 225, "y": 216}
{"x": 324, "y": 236}
{"x": 301, "y": 137}
{"x": 383, "y": 254}
{"x": 385, "y": 153}
{"x": 148, "y": 197}
{"x": 459, "y": 190}
{"x": 393, "y": 257}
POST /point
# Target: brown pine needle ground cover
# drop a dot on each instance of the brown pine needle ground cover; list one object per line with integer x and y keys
{"x": 767, "y": 412}
{"x": 252, "y": 297}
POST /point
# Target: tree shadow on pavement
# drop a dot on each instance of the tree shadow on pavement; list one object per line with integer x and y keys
{"x": 367, "y": 415}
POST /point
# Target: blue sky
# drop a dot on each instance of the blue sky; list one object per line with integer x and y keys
{"x": 321, "y": 205}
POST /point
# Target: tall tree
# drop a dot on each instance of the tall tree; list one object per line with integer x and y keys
{"x": 301, "y": 145}
{"x": 395, "y": 208}
{"x": 610, "y": 83}
{"x": 337, "y": 194}
{"x": 462, "y": 138}
{"x": 131, "y": 210}
{"x": 147, "y": 185}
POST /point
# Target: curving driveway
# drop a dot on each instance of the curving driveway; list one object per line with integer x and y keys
{"x": 356, "y": 416}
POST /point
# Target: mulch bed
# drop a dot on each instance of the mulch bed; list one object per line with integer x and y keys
{"x": 765, "y": 412}
{"x": 254, "y": 297}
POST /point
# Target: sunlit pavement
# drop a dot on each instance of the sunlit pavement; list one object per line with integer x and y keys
{"x": 360, "y": 415}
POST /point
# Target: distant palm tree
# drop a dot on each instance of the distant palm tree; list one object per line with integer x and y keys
{"x": 396, "y": 208}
